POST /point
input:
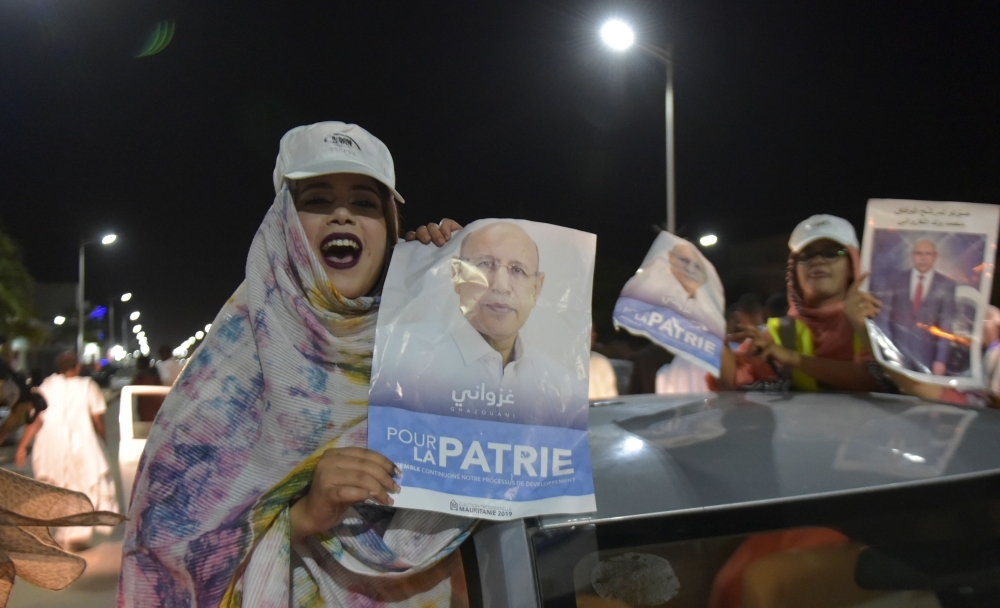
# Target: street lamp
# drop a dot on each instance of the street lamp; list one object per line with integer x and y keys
{"x": 708, "y": 240}
{"x": 59, "y": 320}
{"x": 105, "y": 240}
{"x": 617, "y": 34}
{"x": 620, "y": 37}
{"x": 126, "y": 297}
{"x": 134, "y": 316}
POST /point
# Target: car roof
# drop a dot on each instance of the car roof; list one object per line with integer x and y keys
{"x": 659, "y": 454}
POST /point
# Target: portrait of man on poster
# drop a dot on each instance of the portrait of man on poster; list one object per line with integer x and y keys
{"x": 479, "y": 363}
{"x": 918, "y": 308}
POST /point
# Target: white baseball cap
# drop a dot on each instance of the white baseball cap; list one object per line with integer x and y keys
{"x": 333, "y": 147}
{"x": 822, "y": 227}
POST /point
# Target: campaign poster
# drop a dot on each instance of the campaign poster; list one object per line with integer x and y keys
{"x": 676, "y": 300}
{"x": 480, "y": 371}
{"x": 931, "y": 266}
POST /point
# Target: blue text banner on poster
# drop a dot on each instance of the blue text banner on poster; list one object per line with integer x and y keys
{"x": 670, "y": 329}
{"x": 482, "y": 458}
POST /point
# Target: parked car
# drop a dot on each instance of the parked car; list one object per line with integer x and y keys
{"x": 767, "y": 500}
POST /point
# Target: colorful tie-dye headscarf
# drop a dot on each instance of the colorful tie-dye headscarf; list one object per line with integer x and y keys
{"x": 282, "y": 376}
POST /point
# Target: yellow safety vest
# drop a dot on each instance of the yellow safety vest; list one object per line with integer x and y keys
{"x": 802, "y": 381}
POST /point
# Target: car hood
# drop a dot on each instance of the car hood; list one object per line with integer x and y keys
{"x": 654, "y": 454}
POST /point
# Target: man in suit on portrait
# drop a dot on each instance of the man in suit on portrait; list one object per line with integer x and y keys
{"x": 919, "y": 306}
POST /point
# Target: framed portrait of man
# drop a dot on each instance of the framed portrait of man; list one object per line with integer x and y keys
{"x": 931, "y": 265}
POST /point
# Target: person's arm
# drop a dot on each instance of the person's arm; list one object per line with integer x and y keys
{"x": 98, "y": 420}
{"x": 97, "y": 407}
{"x": 343, "y": 476}
{"x": 842, "y": 375}
{"x": 727, "y": 369}
{"x": 21, "y": 458}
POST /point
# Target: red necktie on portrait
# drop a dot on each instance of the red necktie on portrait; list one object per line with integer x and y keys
{"x": 918, "y": 297}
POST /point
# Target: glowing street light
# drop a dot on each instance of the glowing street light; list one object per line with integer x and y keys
{"x": 708, "y": 240}
{"x": 134, "y": 316}
{"x": 105, "y": 240}
{"x": 59, "y": 320}
{"x": 208, "y": 328}
{"x": 126, "y": 297}
{"x": 199, "y": 334}
{"x": 617, "y": 34}
{"x": 137, "y": 329}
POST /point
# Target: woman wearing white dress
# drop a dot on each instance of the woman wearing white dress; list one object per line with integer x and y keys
{"x": 67, "y": 451}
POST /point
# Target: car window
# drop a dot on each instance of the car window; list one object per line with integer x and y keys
{"x": 937, "y": 545}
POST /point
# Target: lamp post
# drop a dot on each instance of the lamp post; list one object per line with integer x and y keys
{"x": 125, "y": 298}
{"x": 105, "y": 240}
{"x": 620, "y": 37}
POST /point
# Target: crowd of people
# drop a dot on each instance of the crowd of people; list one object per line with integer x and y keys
{"x": 256, "y": 486}
{"x": 814, "y": 337}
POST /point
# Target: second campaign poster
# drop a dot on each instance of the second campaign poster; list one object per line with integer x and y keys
{"x": 931, "y": 266}
{"x": 480, "y": 371}
{"x": 676, "y": 299}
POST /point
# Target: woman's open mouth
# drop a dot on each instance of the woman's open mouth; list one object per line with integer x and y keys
{"x": 341, "y": 250}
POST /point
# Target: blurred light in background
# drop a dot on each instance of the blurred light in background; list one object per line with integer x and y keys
{"x": 59, "y": 320}
{"x": 208, "y": 328}
{"x": 199, "y": 334}
{"x": 137, "y": 329}
{"x": 158, "y": 39}
{"x": 126, "y": 297}
{"x": 109, "y": 238}
{"x": 708, "y": 240}
{"x": 134, "y": 316}
{"x": 617, "y": 34}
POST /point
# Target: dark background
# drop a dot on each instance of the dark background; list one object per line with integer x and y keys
{"x": 491, "y": 109}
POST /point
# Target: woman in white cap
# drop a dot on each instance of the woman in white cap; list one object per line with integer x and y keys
{"x": 255, "y": 487}
{"x": 815, "y": 346}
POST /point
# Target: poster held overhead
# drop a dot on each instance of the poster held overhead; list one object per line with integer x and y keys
{"x": 931, "y": 265}
{"x": 479, "y": 375}
{"x": 676, "y": 300}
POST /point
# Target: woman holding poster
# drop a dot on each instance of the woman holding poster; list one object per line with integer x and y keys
{"x": 256, "y": 487}
{"x": 815, "y": 347}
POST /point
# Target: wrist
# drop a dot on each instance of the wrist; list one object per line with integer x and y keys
{"x": 307, "y": 519}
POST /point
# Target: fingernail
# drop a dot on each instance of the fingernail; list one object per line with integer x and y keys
{"x": 396, "y": 489}
{"x": 396, "y": 472}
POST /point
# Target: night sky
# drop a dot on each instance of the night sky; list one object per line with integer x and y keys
{"x": 490, "y": 109}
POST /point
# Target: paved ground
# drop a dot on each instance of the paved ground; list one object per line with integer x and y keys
{"x": 96, "y": 588}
